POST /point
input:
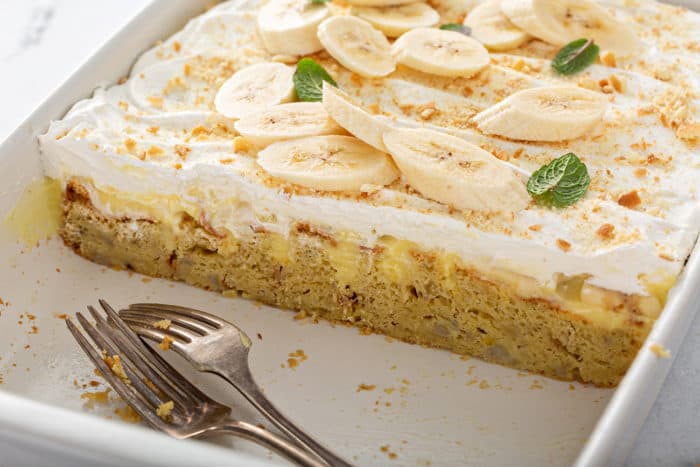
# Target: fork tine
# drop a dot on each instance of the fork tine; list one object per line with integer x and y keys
{"x": 144, "y": 389}
{"x": 180, "y": 331}
{"x": 202, "y": 316}
{"x": 100, "y": 341}
{"x": 143, "y": 393}
{"x": 105, "y": 342}
{"x": 157, "y": 315}
{"x": 179, "y": 335}
{"x": 143, "y": 329}
{"x": 159, "y": 362}
{"x": 143, "y": 365}
{"x": 126, "y": 393}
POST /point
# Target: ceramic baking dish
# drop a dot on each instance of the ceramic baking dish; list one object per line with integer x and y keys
{"x": 373, "y": 400}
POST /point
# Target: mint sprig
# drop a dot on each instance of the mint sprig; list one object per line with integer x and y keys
{"x": 560, "y": 183}
{"x": 319, "y": 2}
{"x": 466, "y": 30}
{"x": 308, "y": 80}
{"x": 575, "y": 56}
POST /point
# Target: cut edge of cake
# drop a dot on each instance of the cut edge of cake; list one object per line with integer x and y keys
{"x": 408, "y": 293}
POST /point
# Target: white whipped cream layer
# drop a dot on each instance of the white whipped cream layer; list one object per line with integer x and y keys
{"x": 108, "y": 140}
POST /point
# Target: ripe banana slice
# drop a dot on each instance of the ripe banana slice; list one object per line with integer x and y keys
{"x": 353, "y": 118}
{"x": 255, "y": 88}
{"x": 493, "y": 29}
{"x": 562, "y": 21}
{"x": 328, "y": 163}
{"x": 287, "y": 121}
{"x": 357, "y": 46}
{"x": 440, "y": 52}
{"x": 289, "y": 26}
{"x": 452, "y": 171}
{"x": 396, "y": 20}
{"x": 549, "y": 113}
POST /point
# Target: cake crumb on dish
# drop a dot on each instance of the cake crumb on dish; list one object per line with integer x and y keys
{"x": 387, "y": 449}
{"x": 660, "y": 350}
{"x": 92, "y": 398}
{"x": 127, "y": 414}
{"x": 365, "y": 387}
{"x": 295, "y": 358}
{"x": 536, "y": 385}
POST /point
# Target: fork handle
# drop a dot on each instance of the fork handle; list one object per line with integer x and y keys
{"x": 264, "y": 438}
{"x": 242, "y": 379}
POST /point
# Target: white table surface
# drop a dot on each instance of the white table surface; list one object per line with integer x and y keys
{"x": 43, "y": 41}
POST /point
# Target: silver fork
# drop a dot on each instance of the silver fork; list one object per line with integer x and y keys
{"x": 214, "y": 345}
{"x": 152, "y": 381}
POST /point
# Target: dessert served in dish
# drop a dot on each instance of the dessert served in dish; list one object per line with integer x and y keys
{"x": 510, "y": 179}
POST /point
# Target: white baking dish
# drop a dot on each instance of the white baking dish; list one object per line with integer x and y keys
{"x": 437, "y": 408}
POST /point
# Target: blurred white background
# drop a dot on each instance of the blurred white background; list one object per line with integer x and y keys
{"x": 43, "y": 41}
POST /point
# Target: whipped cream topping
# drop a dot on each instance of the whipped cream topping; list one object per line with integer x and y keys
{"x": 157, "y": 140}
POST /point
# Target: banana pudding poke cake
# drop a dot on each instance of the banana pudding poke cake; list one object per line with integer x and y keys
{"x": 510, "y": 179}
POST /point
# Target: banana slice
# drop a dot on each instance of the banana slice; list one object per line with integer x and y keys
{"x": 562, "y": 21}
{"x": 443, "y": 53}
{"x": 450, "y": 170}
{"x": 493, "y": 29}
{"x": 396, "y": 20}
{"x": 254, "y": 88}
{"x": 353, "y": 118}
{"x": 287, "y": 121}
{"x": 289, "y": 26}
{"x": 549, "y": 113}
{"x": 357, "y": 46}
{"x": 328, "y": 163}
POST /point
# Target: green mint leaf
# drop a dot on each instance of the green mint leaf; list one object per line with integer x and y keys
{"x": 308, "y": 80}
{"x": 466, "y": 30}
{"x": 560, "y": 183}
{"x": 575, "y": 56}
{"x": 319, "y": 2}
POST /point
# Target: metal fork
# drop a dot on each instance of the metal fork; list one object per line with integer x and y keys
{"x": 214, "y": 345}
{"x": 151, "y": 381}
